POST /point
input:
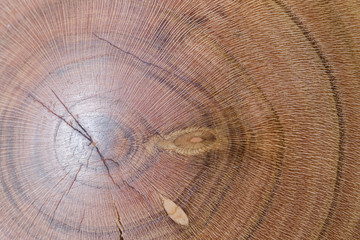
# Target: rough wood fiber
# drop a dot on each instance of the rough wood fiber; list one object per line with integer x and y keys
{"x": 176, "y": 119}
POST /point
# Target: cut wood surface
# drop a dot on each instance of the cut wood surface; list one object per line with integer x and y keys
{"x": 171, "y": 119}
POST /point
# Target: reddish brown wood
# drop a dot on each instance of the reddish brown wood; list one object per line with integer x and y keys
{"x": 179, "y": 119}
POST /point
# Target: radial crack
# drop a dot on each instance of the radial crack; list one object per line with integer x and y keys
{"x": 72, "y": 183}
{"x": 87, "y": 161}
{"x": 81, "y": 221}
{"x": 119, "y": 224}
{"x": 62, "y": 196}
{"x": 83, "y": 132}
{"x": 42, "y": 205}
{"x": 58, "y": 116}
{"x": 78, "y": 123}
{"x": 151, "y": 64}
{"x": 88, "y": 136}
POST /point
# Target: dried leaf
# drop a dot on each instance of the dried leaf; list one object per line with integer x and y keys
{"x": 175, "y": 212}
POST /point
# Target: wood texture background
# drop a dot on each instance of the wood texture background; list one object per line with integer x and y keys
{"x": 176, "y": 119}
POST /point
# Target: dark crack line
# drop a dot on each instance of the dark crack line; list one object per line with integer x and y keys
{"x": 151, "y": 64}
{"x": 86, "y": 135}
{"x": 56, "y": 208}
{"x": 62, "y": 197}
{"x": 81, "y": 221}
{"x": 33, "y": 221}
{"x": 78, "y": 123}
{"x": 60, "y": 117}
{"x": 74, "y": 180}
{"x": 119, "y": 224}
{"x": 104, "y": 161}
{"x": 87, "y": 161}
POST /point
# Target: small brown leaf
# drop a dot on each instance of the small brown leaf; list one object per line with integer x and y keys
{"x": 175, "y": 212}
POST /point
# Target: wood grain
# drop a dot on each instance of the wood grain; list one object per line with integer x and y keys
{"x": 179, "y": 119}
